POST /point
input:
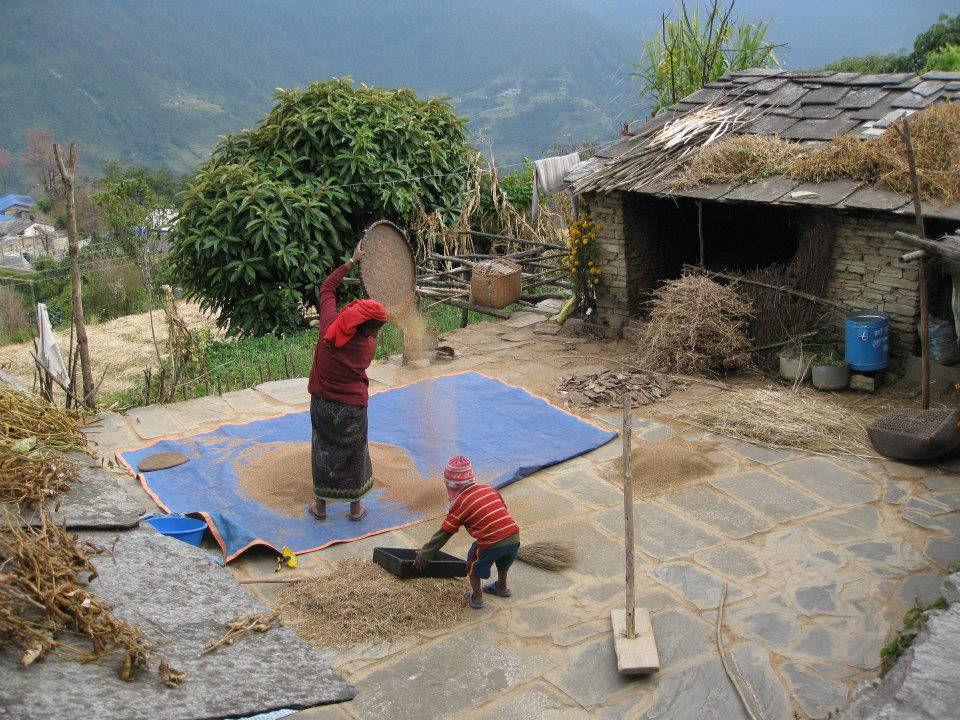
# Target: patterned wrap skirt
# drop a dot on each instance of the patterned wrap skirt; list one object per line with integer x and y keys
{"x": 340, "y": 458}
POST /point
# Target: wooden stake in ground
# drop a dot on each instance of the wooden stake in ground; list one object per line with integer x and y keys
{"x": 922, "y": 274}
{"x": 83, "y": 346}
{"x": 633, "y": 638}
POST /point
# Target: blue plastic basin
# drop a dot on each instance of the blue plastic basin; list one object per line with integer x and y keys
{"x": 190, "y": 530}
{"x": 867, "y": 340}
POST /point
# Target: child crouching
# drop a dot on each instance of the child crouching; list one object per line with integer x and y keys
{"x": 481, "y": 510}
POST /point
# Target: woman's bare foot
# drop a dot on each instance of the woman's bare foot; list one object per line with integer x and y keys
{"x": 357, "y": 510}
{"x": 318, "y": 509}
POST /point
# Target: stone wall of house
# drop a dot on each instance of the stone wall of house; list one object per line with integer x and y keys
{"x": 868, "y": 274}
{"x": 636, "y": 251}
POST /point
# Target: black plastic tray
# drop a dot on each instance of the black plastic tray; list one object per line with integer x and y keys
{"x": 399, "y": 561}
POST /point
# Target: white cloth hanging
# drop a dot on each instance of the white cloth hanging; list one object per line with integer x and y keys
{"x": 548, "y": 177}
{"x": 48, "y": 353}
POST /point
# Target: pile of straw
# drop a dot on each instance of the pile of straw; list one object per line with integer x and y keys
{"x": 883, "y": 160}
{"x": 29, "y": 475}
{"x": 361, "y": 602}
{"x": 739, "y": 159}
{"x": 30, "y": 416}
{"x": 803, "y": 420}
{"x": 696, "y": 327}
{"x": 43, "y": 596}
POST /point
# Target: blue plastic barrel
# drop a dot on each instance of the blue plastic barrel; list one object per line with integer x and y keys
{"x": 867, "y": 340}
{"x": 188, "y": 529}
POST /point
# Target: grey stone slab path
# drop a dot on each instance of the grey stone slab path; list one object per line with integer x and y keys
{"x": 821, "y": 557}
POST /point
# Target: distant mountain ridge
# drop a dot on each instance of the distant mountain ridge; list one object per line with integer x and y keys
{"x": 158, "y": 82}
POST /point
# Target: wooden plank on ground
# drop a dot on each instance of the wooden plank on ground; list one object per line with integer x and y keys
{"x": 637, "y": 655}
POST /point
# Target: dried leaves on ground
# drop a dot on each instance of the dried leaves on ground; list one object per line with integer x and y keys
{"x": 882, "y": 160}
{"x": 609, "y": 386}
{"x": 783, "y": 418}
{"x": 696, "y": 327}
{"x": 45, "y": 606}
{"x": 362, "y": 602}
{"x": 240, "y": 626}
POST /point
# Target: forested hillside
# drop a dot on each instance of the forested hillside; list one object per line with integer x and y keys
{"x": 151, "y": 82}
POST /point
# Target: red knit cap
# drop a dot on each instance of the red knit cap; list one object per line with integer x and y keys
{"x": 458, "y": 474}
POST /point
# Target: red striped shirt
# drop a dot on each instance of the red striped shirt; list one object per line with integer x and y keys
{"x": 481, "y": 510}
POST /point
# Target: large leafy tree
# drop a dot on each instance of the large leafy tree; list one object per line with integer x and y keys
{"x": 277, "y": 207}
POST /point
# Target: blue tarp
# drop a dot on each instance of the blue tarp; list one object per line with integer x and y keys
{"x": 505, "y": 431}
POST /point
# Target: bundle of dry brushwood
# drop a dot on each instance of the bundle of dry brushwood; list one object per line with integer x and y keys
{"x": 609, "y": 387}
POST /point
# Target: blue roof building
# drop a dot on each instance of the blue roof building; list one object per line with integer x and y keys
{"x": 6, "y": 217}
{"x": 11, "y": 199}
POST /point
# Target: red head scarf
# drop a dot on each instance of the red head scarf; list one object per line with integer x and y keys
{"x": 354, "y": 314}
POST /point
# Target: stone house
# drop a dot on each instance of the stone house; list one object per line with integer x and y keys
{"x": 651, "y": 230}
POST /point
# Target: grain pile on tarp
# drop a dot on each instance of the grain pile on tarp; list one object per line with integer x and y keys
{"x": 696, "y": 327}
{"x": 362, "y": 602}
{"x": 882, "y": 160}
{"x": 803, "y": 420}
{"x": 739, "y": 159}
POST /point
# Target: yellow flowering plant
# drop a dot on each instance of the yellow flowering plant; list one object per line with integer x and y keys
{"x": 582, "y": 261}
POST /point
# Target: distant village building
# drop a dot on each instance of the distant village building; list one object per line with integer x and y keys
{"x": 14, "y": 206}
{"x": 158, "y": 226}
{"x": 509, "y": 92}
{"x": 650, "y": 230}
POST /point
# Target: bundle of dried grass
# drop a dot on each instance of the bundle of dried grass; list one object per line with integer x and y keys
{"x": 362, "y": 602}
{"x": 43, "y": 597}
{"x": 696, "y": 327}
{"x": 883, "y": 161}
{"x": 29, "y": 475}
{"x": 549, "y": 554}
{"x": 802, "y": 420}
{"x": 30, "y": 416}
{"x": 739, "y": 159}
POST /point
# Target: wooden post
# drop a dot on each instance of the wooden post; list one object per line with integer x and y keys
{"x": 464, "y": 314}
{"x": 628, "y": 515}
{"x": 922, "y": 270}
{"x": 83, "y": 345}
{"x": 147, "y": 378}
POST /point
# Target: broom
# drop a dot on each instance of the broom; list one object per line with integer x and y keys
{"x": 549, "y": 555}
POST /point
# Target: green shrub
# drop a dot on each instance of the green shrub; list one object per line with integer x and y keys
{"x": 946, "y": 58}
{"x": 278, "y": 207}
{"x": 15, "y": 323}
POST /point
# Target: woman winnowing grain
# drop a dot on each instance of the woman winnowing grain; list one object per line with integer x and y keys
{"x": 340, "y": 458}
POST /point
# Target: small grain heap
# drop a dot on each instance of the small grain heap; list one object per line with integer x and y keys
{"x": 664, "y": 465}
{"x": 696, "y": 327}
{"x": 362, "y": 602}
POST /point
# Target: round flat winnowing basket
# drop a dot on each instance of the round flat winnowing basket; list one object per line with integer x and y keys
{"x": 387, "y": 269}
{"x": 916, "y": 434}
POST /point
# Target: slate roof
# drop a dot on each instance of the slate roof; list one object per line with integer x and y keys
{"x": 810, "y": 107}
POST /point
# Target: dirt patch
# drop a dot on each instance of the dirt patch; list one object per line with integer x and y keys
{"x": 362, "y": 602}
{"x": 662, "y": 466}
{"x": 278, "y": 475}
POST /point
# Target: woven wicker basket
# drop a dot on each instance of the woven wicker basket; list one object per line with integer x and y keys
{"x": 496, "y": 283}
{"x": 387, "y": 269}
{"x": 916, "y": 434}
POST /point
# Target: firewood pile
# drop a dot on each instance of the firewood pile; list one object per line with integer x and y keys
{"x": 609, "y": 386}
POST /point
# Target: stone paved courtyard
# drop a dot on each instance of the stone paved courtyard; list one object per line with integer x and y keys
{"x": 821, "y": 556}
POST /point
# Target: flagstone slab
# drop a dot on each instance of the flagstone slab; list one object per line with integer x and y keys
{"x": 772, "y": 497}
{"x": 594, "y": 553}
{"x": 680, "y": 636}
{"x": 816, "y": 695}
{"x": 696, "y": 584}
{"x": 857, "y": 523}
{"x": 927, "y": 504}
{"x": 895, "y": 492}
{"x": 761, "y": 454}
{"x": 449, "y": 676}
{"x": 837, "y": 485}
{"x": 949, "y": 522}
{"x": 292, "y": 391}
{"x": 660, "y": 532}
{"x": 588, "y": 488}
{"x": 542, "y": 619}
{"x": 945, "y": 552}
{"x": 153, "y": 421}
{"x": 738, "y": 562}
{"x": 889, "y": 552}
{"x": 718, "y": 511}
{"x": 531, "y": 504}
{"x": 534, "y": 704}
{"x": 249, "y": 401}
{"x": 818, "y": 599}
{"x": 198, "y": 411}
{"x": 770, "y": 626}
{"x": 109, "y": 430}
{"x": 950, "y": 499}
{"x": 590, "y": 675}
